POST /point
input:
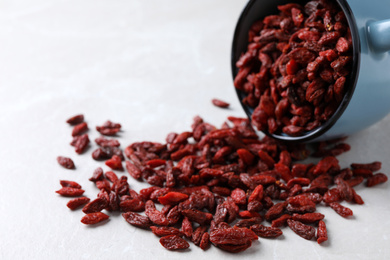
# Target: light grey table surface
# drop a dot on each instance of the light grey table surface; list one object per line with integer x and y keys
{"x": 152, "y": 66}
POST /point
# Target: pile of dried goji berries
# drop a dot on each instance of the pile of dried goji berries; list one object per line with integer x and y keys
{"x": 296, "y": 67}
{"x": 220, "y": 186}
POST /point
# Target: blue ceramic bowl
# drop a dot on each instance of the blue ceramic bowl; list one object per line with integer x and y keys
{"x": 367, "y": 99}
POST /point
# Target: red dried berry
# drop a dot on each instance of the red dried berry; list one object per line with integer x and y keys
{"x": 66, "y": 162}
{"x": 275, "y": 211}
{"x": 300, "y": 181}
{"x": 249, "y": 222}
{"x": 186, "y": 227}
{"x": 322, "y": 234}
{"x": 356, "y": 198}
{"x": 246, "y": 156}
{"x": 220, "y": 103}
{"x": 305, "y": 231}
{"x": 109, "y": 128}
{"x": 281, "y": 221}
{"x": 134, "y": 205}
{"x": 74, "y": 120}
{"x": 365, "y": 173}
{"x": 341, "y": 210}
{"x": 115, "y": 163}
{"x": 239, "y": 196}
{"x": 80, "y": 143}
{"x": 376, "y": 179}
{"x": 200, "y": 217}
{"x": 96, "y": 205}
{"x": 133, "y": 170}
{"x": 308, "y": 218}
{"x": 94, "y": 218}
{"x": 154, "y": 163}
{"x": 70, "y": 192}
{"x": 104, "y": 142}
{"x": 232, "y": 239}
{"x": 111, "y": 176}
{"x": 325, "y": 165}
{"x": 374, "y": 166}
{"x": 172, "y": 198}
{"x": 79, "y": 129}
{"x": 174, "y": 242}
{"x": 166, "y": 231}
{"x": 332, "y": 195}
{"x": 71, "y": 184}
{"x": 137, "y": 220}
{"x": 77, "y": 202}
{"x": 266, "y": 232}
{"x": 205, "y": 241}
{"x": 154, "y": 215}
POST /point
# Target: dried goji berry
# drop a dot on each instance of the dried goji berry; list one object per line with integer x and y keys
{"x": 71, "y": 184}
{"x": 109, "y": 128}
{"x": 80, "y": 142}
{"x": 275, "y": 211}
{"x": 165, "y": 231}
{"x": 66, "y": 162}
{"x": 232, "y": 237}
{"x": 94, "y": 218}
{"x": 197, "y": 216}
{"x": 186, "y": 227}
{"x": 246, "y": 156}
{"x": 341, "y": 210}
{"x": 115, "y": 163}
{"x": 137, "y": 220}
{"x": 266, "y": 232}
{"x": 220, "y": 103}
{"x": 104, "y": 142}
{"x": 326, "y": 164}
{"x": 280, "y": 221}
{"x": 235, "y": 248}
{"x": 74, "y": 120}
{"x": 374, "y": 166}
{"x": 376, "y": 179}
{"x": 172, "y": 198}
{"x": 77, "y": 202}
{"x": 239, "y": 196}
{"x": 356, "y": 198}
{"x": 332, "y": 195}
{"x": 322, "y": 234}
{"x": 135, "y": 205}
{"x": 154, "y": 163}
{"x": 257, "y": 194}
{"x": 362, "y": 172}
{"x": 308, "y": 217}
{"x": 70, "y": 192}
{"x": 154, "y": 215}
{"x": 197, "y": 235}
{"x": 79, "y": 129}
{"x": 96, "y": 205}
{"x": 111, "y": 176}
{"x": 174, "y": 242}
{"x": 305, "y": 231}
{"x": 133, "y": 170}
{"x": 249, "y": 222}
{"x": 205, "y": 241}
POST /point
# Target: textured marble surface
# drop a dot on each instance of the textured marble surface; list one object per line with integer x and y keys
{"x": 152, "y": 66}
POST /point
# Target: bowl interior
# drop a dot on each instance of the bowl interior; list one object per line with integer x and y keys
{"x": 258, "y": 9}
